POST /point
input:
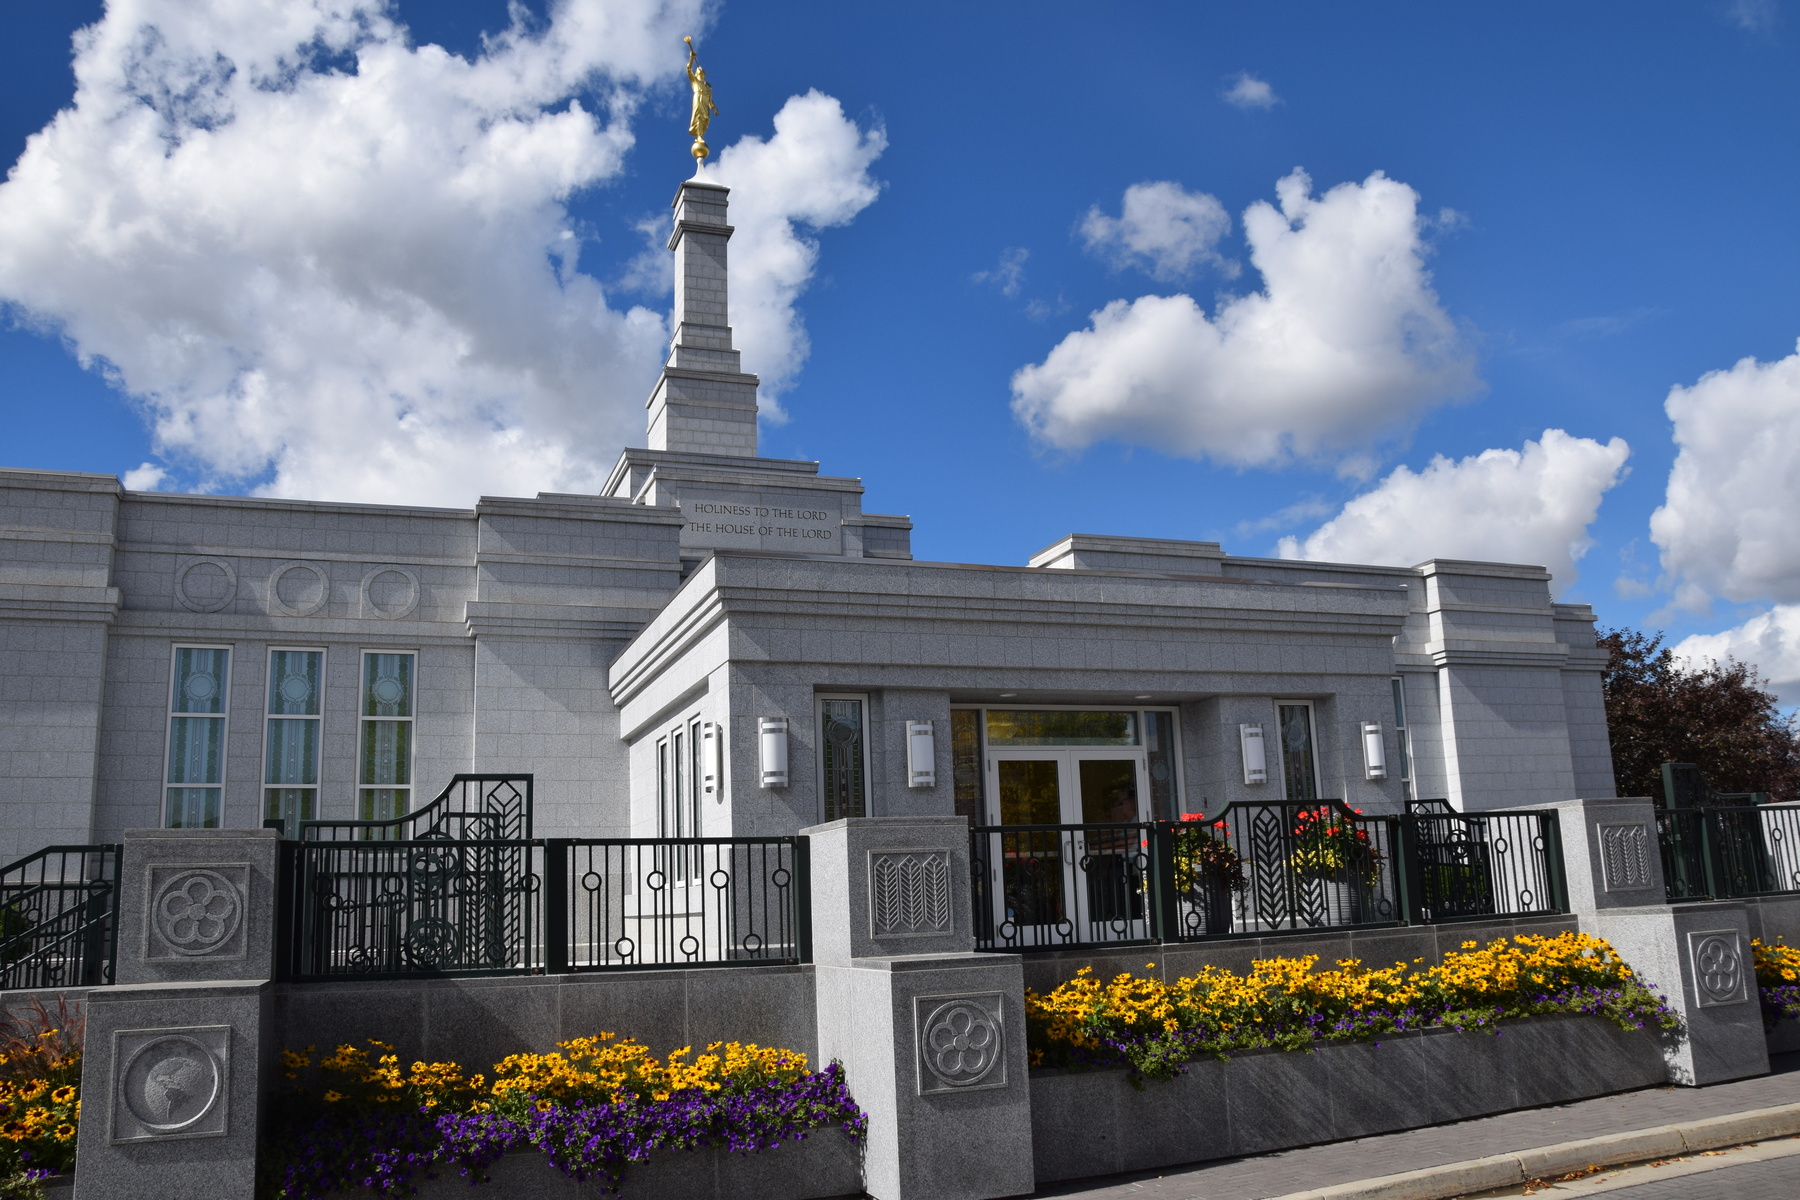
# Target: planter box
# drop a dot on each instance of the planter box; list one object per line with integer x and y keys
{"x": 825, "y": 1164}
{"x": 1096, "y": 1123}
{"x": 1784, "y": 1038}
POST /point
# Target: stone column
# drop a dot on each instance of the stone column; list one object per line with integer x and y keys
{"x": 931, "y": 1034}
{"x": 1695, "y": 954}
{"x": 171, "y": 1079}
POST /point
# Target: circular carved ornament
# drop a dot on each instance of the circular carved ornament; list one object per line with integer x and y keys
{"x": 1719, "y": 967}
{"x": 205, "y": 585}
{"x": 389, "y": 593}
{"x": 197, "y": 911}
{"x": 171, "y": 1083}
{"x": 961, "y": 1043}
{"x": 303, "y": 597}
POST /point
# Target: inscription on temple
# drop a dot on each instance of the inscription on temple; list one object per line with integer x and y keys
{"x": 730, "y": 524}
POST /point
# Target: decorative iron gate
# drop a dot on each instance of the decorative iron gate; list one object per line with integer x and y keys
{"x": 430, "y": 905}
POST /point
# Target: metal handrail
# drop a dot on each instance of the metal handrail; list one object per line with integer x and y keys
{"x": 508, "y": 816}
{"x": 59, "y": 922}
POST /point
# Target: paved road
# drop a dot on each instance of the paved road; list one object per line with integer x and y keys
{"x": 1365, "y": 1158}
{"x": 1776, "y": 1180}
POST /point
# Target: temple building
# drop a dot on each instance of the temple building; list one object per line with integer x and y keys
{"x": 721, "y": 643}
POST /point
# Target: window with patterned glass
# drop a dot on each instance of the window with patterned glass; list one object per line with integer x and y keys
{"x": 385, "y": 745}
{"x": 843, "y": 757}
{"x": 195, "y": 775}
{"x": 965, "y": 759}
{"x": 1299, "y": 762}
{"x": 291, "y": 736}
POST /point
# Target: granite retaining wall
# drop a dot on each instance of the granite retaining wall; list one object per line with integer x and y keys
{"x": 826, "y": 1164}
{"x": 1096, "y": 1123}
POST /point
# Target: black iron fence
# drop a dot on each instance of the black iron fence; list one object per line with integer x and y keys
{"x": 381, "y": 908}
{"x": 1258, "y": 869}
{"x": 620, "y": 903}
{"x": 58, "y": 918}
{"x": 470, "y": 808}
{"x": 384, "y": 908}
{"x": 1729, "y": 851}
{"x": 1468, "y": 866}
{"x": 1049, "y": 886}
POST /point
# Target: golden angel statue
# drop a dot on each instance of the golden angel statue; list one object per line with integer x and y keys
{"x": 704, "y": 108}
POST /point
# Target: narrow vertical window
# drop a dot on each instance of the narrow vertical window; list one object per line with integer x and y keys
{"x": 291, "y": 737}
{"x": 965, "y": 759}
{"x": 384, "y": 774}
{"x": 696, "y": 772}
{"x": 665, "y": 804}
{"x": 844, "y": 752}
{"x": 1298, "y": 764}
{"x": 1159, "y": 756}
{"x": 678, "y": 751}
{"x": 196, "y": 770}
{"x": 1400, "y": 728}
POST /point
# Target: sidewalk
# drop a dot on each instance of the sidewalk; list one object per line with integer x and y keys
{"x": 1340, "y": 1163}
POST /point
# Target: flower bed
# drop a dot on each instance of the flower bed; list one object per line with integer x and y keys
{"x": 1777, "y": 981}
{"x": 40, "y": 1098}
{"x": 1155, "y": 1027}
{"x": 356, "y": 1119}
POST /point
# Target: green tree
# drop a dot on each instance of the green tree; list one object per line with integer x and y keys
{"x": 1717, "y": 716}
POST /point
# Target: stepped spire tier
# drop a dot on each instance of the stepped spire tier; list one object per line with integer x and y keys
{"x": 703, "y": 403}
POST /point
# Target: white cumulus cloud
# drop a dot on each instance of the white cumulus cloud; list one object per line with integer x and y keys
{"x": 1728, "y": 522}
{"x": 814, "y": 172}
{"x": 145, "y": 477}
{"x": 1769, "y": 641}
{"x": 1345, "y": 341}
{"x": 1162, "y": 229}
{"x": 333, "y": 263}
{"x": 1246, "y": 91}
{"x": 1521, "y": 506}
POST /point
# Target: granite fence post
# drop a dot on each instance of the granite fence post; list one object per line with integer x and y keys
{"x": 177, "y": 1053}
{"x": 931, "y": 1034}
{"x": 1695, "y": 954}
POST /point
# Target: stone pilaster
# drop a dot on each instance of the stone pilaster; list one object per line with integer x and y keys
{"x": 931, "y": 1034}
{"x": 1696, "y": 955}
{"x": 703, "y": 402}
{"x": 178, "y": 1054}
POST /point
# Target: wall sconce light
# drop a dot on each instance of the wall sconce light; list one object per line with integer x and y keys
{"x": 774, "y": 751}
{"x": 1374, "y": 750}
{"x": 921, "y": 755}
{"x": 712, "y": 761}
{"x": 1256, "y": 761}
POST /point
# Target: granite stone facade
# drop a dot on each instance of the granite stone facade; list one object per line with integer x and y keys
{"x": 707, "y": 588}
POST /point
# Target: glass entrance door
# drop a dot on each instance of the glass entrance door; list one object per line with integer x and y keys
{"x": 1055, "y": 885}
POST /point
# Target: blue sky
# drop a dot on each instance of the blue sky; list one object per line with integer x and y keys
{"x": 1604, "y": 212}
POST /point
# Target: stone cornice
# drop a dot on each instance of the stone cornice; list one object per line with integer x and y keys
{"x": 689, "y": 225}
{"x": 59, "y": 602}
{"x": 1058, "y": 603}
{"x": 488, "y": 618}
{"x": 1473, "y": 652}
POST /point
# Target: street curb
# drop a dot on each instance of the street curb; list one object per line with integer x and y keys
{"x": 1611, "y": 1150}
